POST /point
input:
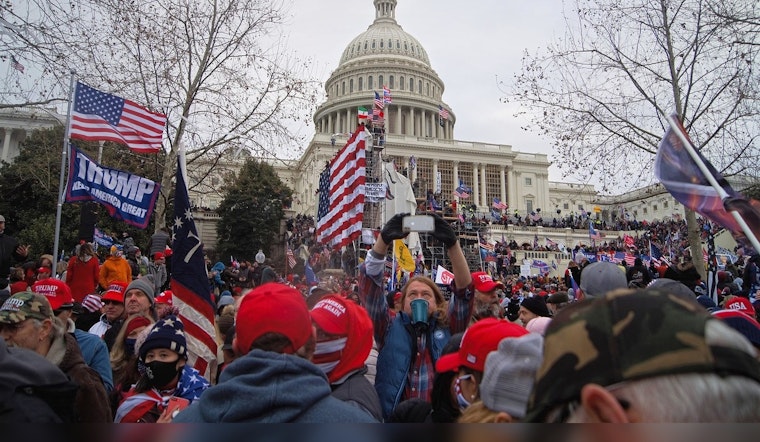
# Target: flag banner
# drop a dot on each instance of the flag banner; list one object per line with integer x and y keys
{"x": 463, "y": 190}
{"x": 291, "y": 258}
{"x": 683, "y": 178}
{"x": 443, "y": 276}
{"x": 386, "y": 94}
{"x": 130, "y": 198}
{"x": 656, "y": 254}
{"x": 443, "y": 113}
{"x": 412, "y": 162}
{"x": 550, "y": 243}
{"x": 535, "y": 216}
{"x": 101, "y": 239}
{"x": 363, "y": 113}
{"x": 403, "y": 256}
{"x": 712, "y": 264}
{"x": 629, "y": 241}
{"x": 374, "y": 192}
{"x": 378, "y": 117}
{"x": 542, "y": 267}
{"x": 498, "y": 204}
{"x": 189, "y": 282}
{"x": 592, "y": 233}
{"x": 378, "y": 101}
{"x": 341, "y": 194}
{"x": 432, "y": 203}
{"x": 98, "y": 116}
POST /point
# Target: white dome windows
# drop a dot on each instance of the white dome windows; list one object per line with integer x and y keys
{"x": 361, "y": 84}
{"x": 370, "y": 83}
{"x": 401, "y": 82}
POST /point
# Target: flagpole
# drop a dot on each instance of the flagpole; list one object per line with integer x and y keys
{"x": 64, "y": 155}
{"x": 480, "y": 254}
{"x": 675, "y": 125}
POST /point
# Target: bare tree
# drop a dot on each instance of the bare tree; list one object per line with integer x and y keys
{"x": 217, "y": 68}
{"x": 601, "y": 91}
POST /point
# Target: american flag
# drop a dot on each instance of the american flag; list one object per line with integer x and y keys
{"x": 378, "y": 117}
{"x": 462, "y": 191}
{"x": 592, "y": 233}
{"x": 499, "y": 204}
{"x": 189, "y": 282}
{"x": 550, "y": 243}
{"x": 291, "y": 257}
{"x": 378, "y": 101}
{"x": 386, "y": 94}
{"x": 341, "y": 194}
{"x": 443, "y": 113}
{"x": 98, "y": 116}
{"x": 656, "y": 254}
{"x": 15, "y": 64}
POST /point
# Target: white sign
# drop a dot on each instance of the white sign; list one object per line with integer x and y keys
{"x": 374, "y": 192}
{"x": 443, "y": 276}
{"x": 525, "y": 270}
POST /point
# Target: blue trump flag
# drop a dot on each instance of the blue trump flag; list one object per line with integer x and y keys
{"x": 130, "y": 198}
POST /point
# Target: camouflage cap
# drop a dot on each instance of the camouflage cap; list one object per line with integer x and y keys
{"x": 624, "y": 336}
{"x": 23, "y": 306}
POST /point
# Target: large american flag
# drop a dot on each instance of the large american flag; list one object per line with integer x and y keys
{"x": 386, "y": 94}
{"x": 189, "y": 282}
{"x": 291, "y": 257}
{"x": 443, "y": 113}
{"x": 341, "y": 194}
{"x": 98, "y": 116}
{"x": 378, "y": 101}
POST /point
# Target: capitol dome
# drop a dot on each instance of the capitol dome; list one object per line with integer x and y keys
{"x": 386, "y": 56}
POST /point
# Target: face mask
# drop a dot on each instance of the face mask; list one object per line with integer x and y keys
{"x": 160, "y": 373}
{"x": 461, "y": 401}
{"x": 129, "y": 346}
{"x": 327, "y": 354}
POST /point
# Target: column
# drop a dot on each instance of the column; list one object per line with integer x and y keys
{"x": 435, "y": 176}
{"x": 412, "y": 122}
{"x": 349, "y": 127}
{"x": 511, "y": 188}
{"x": 455, "y": 179}
{"x": 330, "y": 124}
{"x": 475, "y": 184}
{"x": 502, "y": 183}
{"x": 484, "y": 187}
{"x": 7, "y": 143}
{"x": 423, "y": 124}
{"x": 398, "y": 121}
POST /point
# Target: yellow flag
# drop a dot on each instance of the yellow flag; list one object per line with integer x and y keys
{"x": 403, "y": 256}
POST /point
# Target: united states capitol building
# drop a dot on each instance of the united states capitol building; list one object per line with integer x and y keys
{"x": 420, "y": 143}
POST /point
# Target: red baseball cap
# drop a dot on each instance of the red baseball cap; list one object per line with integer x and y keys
{"x": 44, "y": 270}
{"x": 158, "y": 255}
{"x": 741, "y": 304}
{"x": 331, "y": 315}
{"x": 484, "y": 283}
{"x": 165, "y": 297}
{"x": 272, "y": 308}
{"x": 479, "y": 339}
{"x": 115, "y": 292}
{"x": 57, "y": 292}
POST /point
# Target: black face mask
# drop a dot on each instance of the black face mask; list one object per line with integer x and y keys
{"x": 161, "y": 373}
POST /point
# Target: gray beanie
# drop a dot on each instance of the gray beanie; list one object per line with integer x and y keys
{"x": 144, "y": 286}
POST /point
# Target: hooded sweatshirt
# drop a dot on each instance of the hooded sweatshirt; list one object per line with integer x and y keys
{"x": 268, "y": 387}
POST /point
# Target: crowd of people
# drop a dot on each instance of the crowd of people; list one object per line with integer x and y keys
{"x": 604, "y": 342}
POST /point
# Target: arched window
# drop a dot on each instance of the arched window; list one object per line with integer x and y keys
{"x": 398, "y": 44}
{"x": 343, "y": 89}
{"x": 411, "y": 85}
{"x": 365, "y": 45}
{"x": 382, "y": 43}
{"x": 406, "y": 46}
{"x": 390, "y": 44}
{"x": 361, "y": 84}
{"x": 401, "y": 82}
{"x": 373, "y": 44}
{"x": 370, "y": 83}
{"x": 391, "y": 84}
{"x": 351, "y": 86}
{"x": 380, "y": 82}
{"x": 419, "y": 87}
{"x": 428, "y": 88}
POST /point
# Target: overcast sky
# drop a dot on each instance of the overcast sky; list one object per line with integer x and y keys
{"x": 471, "y": 46}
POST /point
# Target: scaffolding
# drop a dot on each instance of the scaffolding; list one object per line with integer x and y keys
{"x": 373, "y": 210}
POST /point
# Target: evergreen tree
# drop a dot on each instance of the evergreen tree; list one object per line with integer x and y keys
{"x": 252, "y": 211}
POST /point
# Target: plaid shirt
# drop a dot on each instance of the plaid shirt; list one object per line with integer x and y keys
{"x": 371, "y": 291}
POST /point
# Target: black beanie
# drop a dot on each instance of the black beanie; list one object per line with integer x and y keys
{"x": 536, "y": 305}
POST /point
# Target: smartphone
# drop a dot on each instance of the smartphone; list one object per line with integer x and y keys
{"x": 177, "y": 404}
{"x": 418, "y": 223}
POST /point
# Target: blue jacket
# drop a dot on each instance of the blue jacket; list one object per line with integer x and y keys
{"x": 95, "y": 355}
{"x": 395, "y": 359}
{"x": 268, "y": 387}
